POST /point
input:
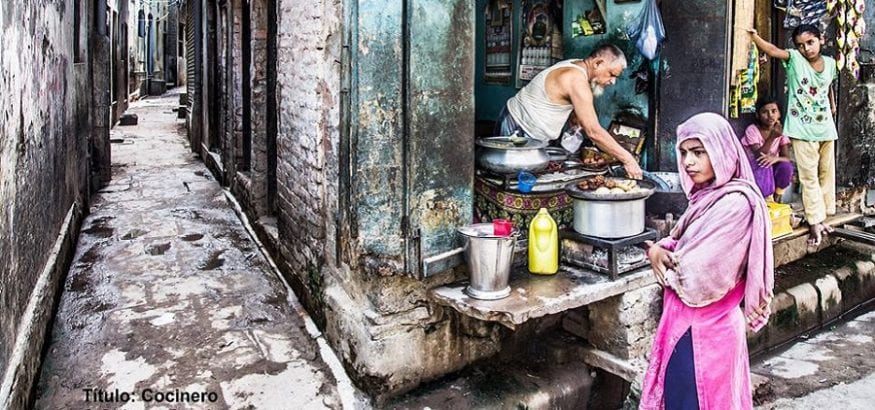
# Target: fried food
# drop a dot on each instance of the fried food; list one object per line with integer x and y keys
{"x": 603, "y": 185}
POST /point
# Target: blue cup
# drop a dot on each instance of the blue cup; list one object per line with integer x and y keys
{"x": 526, "y": 181}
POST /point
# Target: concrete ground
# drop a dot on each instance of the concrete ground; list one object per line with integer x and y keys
{"x": 832, "y": 369}
{"x": 169, "y": 303}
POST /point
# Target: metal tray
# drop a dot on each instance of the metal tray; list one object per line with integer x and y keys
{"x": 647, "y": 189}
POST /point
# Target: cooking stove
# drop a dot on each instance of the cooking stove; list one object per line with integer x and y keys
{"x": 612, "y": 257}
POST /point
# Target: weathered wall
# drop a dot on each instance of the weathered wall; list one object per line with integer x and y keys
{"x": 46, "y": 122}
{"x": 308, "y": 88}
{"x": 694, "y": 69}
{"x": 251, "y": 179}
{"x": 378, "y": 319}
{"x": 856, "y": 118}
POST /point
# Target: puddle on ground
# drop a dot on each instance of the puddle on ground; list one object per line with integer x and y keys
{"x": 79, "y": 282}
{"x": 158, "y": 249}
{"x": 214, "y": 261}
{"x": 186, "y": 213}
{"x": 99, "y": 231}
{"x": 192, "y": 237}
{"x": 134, "y": 233}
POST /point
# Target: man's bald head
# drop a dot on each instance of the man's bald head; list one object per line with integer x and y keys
{"x": 610, "y": 53}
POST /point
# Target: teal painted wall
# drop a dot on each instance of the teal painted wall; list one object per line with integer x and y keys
{"x": 489, "y": 99}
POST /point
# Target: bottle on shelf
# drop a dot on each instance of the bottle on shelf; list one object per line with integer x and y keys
{"x": 543, "y": 244}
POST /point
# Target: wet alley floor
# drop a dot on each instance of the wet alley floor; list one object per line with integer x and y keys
{"x": 168, "y": 302}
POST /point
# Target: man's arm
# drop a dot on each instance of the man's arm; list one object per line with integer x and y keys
{"x": 582, "y": 99}
{"x": 767, "y": 47}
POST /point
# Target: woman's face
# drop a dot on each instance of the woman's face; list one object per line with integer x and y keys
{"x": 769, "y": 114}
{"x": 696, "y": 162}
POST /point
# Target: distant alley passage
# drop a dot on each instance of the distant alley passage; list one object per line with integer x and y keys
{"x": 168, "y": 302}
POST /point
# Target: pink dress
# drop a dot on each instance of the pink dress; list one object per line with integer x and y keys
{"x": 723, "y": 247}
{"x": 722, "y": 374}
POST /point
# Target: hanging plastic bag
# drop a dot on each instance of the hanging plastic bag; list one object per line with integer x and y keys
{"x": 648, "y": 32}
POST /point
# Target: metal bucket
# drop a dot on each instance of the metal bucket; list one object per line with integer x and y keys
{"x": 489, "y": 259}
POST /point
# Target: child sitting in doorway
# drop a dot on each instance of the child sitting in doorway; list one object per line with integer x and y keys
{"x": 768, "y": 150}
{"x": 809, "y": 123}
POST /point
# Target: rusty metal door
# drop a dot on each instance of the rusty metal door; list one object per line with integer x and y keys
{"x": 408, "y": 181}
{"x": 440, "y": 130}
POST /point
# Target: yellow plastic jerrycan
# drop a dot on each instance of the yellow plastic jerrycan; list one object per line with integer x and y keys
{"x": 543, "y": 244}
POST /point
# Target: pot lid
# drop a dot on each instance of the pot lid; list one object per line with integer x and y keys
{"x": 647, "y": 189}
{"x": 511, "y": 143}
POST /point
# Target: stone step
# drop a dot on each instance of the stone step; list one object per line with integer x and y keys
{"x": 128, "y": 119}
{"x": 815, "y": 290}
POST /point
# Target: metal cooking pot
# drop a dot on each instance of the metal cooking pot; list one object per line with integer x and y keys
{"x": 609, "y": 215}
{"x": 509, "y": 155}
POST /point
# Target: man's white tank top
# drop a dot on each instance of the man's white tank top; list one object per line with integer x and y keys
{"x": 532, "y": 109}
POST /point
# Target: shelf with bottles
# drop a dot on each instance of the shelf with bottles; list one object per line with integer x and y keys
{"x": 591, "y": 21}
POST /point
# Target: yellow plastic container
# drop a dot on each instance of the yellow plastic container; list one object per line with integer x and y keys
{"x": 543, "y": 244}
{"x": 780, "y": 215}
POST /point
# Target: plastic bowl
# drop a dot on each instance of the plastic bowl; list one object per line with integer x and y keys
{"x": 526, "y": 181}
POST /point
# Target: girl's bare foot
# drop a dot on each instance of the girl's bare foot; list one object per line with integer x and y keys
{"x": 817, "y": 232}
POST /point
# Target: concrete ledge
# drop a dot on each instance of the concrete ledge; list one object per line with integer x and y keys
{"x": 24, "y": 363}
{"x": 815, "y": 290}
{"x": 535, "y": 296}
{"x": 794, "y": 246}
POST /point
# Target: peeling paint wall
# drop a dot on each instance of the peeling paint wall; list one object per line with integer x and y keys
{"x": 694, "y": 70}
{"x": 855, "y": 149}
{"x": 46, "y": 126}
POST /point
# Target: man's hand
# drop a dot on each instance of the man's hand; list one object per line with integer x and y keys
{"x": 633, "y": 170}
{"x": 661, "y": 260}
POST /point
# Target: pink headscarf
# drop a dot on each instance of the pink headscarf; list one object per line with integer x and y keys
{"x": 716, "y": 246}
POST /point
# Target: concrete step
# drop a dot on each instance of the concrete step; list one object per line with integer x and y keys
{"x": 128, "y": 119}
{"x": 816, "y": 290}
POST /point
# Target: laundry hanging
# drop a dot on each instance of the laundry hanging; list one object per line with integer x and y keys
{"x": 744, "y": 94}
{"x": 850, "y": 28}
{"x": 800, "y": 12}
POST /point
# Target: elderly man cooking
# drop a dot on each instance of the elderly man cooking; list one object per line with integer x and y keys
{"x": 541, "y": 108}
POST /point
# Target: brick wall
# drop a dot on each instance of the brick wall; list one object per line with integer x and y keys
{"x": 308, "y": 81}
{"x": 45, "y": 98}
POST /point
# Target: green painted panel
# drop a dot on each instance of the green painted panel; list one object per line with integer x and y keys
{"x": 441, "y": 114}
{"x": 377, "y": 129}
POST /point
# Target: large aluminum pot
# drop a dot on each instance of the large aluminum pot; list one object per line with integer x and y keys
{"x": 509, "y": 155}
{"x": 610, "y": 215}
{"x": 489, "y": 259}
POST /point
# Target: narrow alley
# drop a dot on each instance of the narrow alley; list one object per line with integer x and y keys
{"x": 437, "y": 204}
{"x": 168, "y": 298}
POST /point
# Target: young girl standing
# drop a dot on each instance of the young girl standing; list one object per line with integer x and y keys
{"x": 769, "y": 149}
{"x": 809, "y": 123}
{"x": 718, "y": 255}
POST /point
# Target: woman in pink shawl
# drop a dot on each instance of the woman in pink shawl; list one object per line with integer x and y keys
{"x": 718, "y": 256}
